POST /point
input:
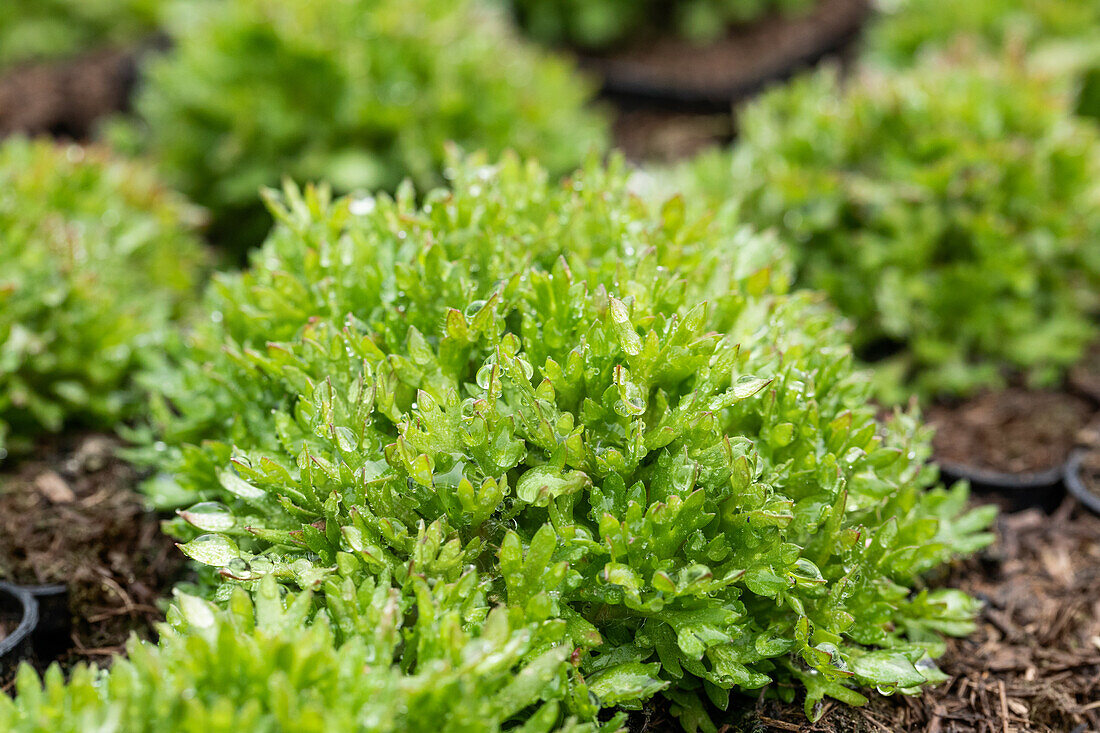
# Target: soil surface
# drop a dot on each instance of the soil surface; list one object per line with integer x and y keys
{"x": 69, "y": 515}
{"x": 1014, "y": 431}
{"x": 66, "y": 98}
{"x": 657, "y": 136}
{"x": 679, "y": 72}
{"x": 1033, "y": 665}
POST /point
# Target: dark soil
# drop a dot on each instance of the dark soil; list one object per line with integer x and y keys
{"x": 1014, "y": 431}
{"x": 647, "y": 135}
{"x": 678, "y": 73}
{"x": 66, "y": 98}
{"x": 69, "y": 515}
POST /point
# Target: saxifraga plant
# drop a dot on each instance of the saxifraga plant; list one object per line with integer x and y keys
{"x": 612, "y": 415}
{"x": 98, "y": 258}
{"x": 1058, "y": 36}
{"x": 913, "y": 27}
{"x": 270, "y": 663}
{"x": 600, "y": 24}
{"x": 359, "y": 93}
{"x": 950, "y": 210}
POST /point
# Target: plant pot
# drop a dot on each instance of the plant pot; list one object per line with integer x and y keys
{"x": 1014, "y": 442}
{"x": 1076, "y": 483}
{"x": 17, "y": 605}
{"x": 52, "y": 636}
{"x": 1042, "y": 489}
{"x": 673, "y": 73}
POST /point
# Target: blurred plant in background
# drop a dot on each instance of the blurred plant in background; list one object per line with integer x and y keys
{"x": 359, "y": 93}
{"x": 97, "y": 258}
{"x": 1060, "y": 35}
{"x": 950, "y": 210}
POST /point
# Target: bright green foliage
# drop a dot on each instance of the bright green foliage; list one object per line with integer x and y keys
{"x": 612, "y": 413}
{"x": 1059, "y": 36}
{"x": 32, "y": 30}
{"x": 273, "y": 664}
{"x": 598, "y": 24}
{"x": 359, "y": 93}
{"x": 96, "y": 259}
{"x": 910, "y": 27}
{"x": 953, "y": 211}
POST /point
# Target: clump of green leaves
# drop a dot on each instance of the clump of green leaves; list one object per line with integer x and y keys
{"x": 911, "y": 27}
{"x": 599, "y": 24}
{"x": 97, "y": 259}
{"x": 951, "y": 212}
{"x": 272, "y": 663}
{"x": 35, "y": 30}
{"x": 611, "y": 414}
{"x": 359, "y": 93}
{"x": 1057, "y": 36}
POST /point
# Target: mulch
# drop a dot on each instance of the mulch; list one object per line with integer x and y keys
{"x": 69, "y": 514}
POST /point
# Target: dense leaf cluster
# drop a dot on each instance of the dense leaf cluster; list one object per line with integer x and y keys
{"x": 269, "y": 663}
{"x": 606, "y": 417}
{"x": 914, "y": 26}
{"x": 96, "y": 259}
{"x": 33, "y": 30}
{"x": 1058, "y": 36}
{"x": 599, "y": 24}
{"x": 359, "y": 93}
{"x": 951, "y": 211}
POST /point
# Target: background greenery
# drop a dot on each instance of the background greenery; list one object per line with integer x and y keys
{"x": 98, "y": 257}
{"x": 358, "y": 93}
{"x": 950, "y": 210}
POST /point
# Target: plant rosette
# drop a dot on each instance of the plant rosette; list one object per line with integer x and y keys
{"x": 607, "y": 417}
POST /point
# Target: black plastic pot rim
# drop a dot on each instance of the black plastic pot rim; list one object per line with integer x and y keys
{"x": 989, "y": 479}
{"x": 1074, "y": 483}
{"x": 636, "y": 92}
{"x": 1043, "y": 490}
{"x": 20, "y": 637}
{"x": 621, "y": 84}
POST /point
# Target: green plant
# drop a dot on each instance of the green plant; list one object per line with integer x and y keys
{"x": 97, "y": 258}
{"x": 359, "y": 93}
{"x": 273, "y": 664}
{"x": 910, "y": 27}
{"x": 599, "y": 24}
{"x": 1059, "y": 36}
{"x": 33, "y": 30}
{"x": 613, "y": 413}
{"x": 950, "y": 211}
